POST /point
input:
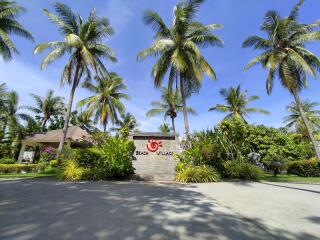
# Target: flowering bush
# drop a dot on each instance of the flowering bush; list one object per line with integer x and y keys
{"x": 47, "y": 154}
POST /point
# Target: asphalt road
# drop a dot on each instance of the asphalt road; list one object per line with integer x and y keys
{"x": 47, "y": 209}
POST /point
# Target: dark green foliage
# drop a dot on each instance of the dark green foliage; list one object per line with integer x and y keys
{"x": 243, "y": 170}
{"x": 17, "y": 168}
{"x": 7, "y": 161}
{"x": 305, "y": 168}
{"x": 88, "y": 157}
{"x": 5, "y": 150}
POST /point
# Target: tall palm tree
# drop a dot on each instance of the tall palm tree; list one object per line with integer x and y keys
{"x": 236, "y": 103}
{"x": 286, "y": 57}
{"x": 83, "y": 42}
{"x": 47, "y": 107}
{"x": 170, "y": 105}
{"x": 294, "y": 120}
{"x": 83, "y": 120}
{"x": 164, "y": 128}
{"x": 177, "y": 49}
{"x": 9, "y": 11}
{"x": 106, "y": 103}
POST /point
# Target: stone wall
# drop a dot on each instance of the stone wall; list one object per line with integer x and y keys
{"x": 153, "y": 157}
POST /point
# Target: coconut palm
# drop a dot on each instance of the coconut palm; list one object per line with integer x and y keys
{"x": 177, "y": 49}
{"x": 83, "y": 42}
{"x": 128, "y": 122}
{"x": 164, "y": 128}
{"x": 12, "y": 115}
{"x": 9, "y": 11}
{"x": 169, "y": 106}
{"x": 105, "y": 105}
{"x": 286, "y": 57}
{"x": 47, "y": 107}
{"x": 236, "y": 103}
{"x": 83, "y": 120}
{"x": 294, "y": 120}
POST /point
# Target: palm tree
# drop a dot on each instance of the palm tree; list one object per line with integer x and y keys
{"x": 128, "y": 122}
{"x": 106, "y": 103}
{"x": 164, "y": 128}
{"x": 236, "y": 103}
{"x": 83, "y": 41}
{"x": 12, "y": 115}
{"x": 177, "y": 49}
{"x": 286, "y": 57}
{"x": 47, "y": 107}
{"x": 294, "y": 120}
{"x": 82, "y": 120}
{"x": 9, "y": 25}
{"x": 170, "y": 105}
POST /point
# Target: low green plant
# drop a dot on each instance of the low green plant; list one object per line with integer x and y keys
{"x": 243, "y": 170}
{"x": 5, "y": 150}
{"x": 53, "y": 163}
{"x": 70, "y": 171}
{"x": 305, "y": 168}
{"x": 18, "y": 168}
{"x": 7, "y": 160}
{"x": 88, "y": 157}
{"x": 188, "y": 173}
{"x": 42, "y": 165}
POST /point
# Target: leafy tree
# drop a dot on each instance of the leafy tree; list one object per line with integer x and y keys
{"x": 83, "y": 41}
{"x": 236, "y": 103}
{"x": 164, "y": 128}
{"x": 170, "y": 105}
{"x": 286, "y": 57}
{"x": 106, "y": 103}
{"x": 9, "y": 11}
{"x": 47, "y": 107}
{"x": 294, "y": 120}
{"x": 177, "y": 49}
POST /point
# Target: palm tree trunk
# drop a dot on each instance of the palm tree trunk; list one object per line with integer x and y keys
{"x": 68, "y": 112}
{"x": 173, "y": 126}
{"x": 4, "y": 128}
{"x": 307, "y": 124}
{"x": 185, "y": 113}
{"x": 44, "y": 124}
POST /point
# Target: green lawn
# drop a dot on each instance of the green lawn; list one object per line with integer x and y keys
{"x": 291, "y": 178}
{"x": 26, "y": 175}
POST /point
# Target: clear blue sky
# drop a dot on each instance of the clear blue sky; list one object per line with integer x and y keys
{"x": 241, "y": 18}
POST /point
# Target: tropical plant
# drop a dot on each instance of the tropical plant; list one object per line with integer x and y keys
{"x": 236, "y": 103}
{"x": 83, "y": 41}
{"x": 9, "y": 11}
{"x": 83, "y": 120}
{"x": 177, "y": 49}
{"x": 170, "y": 105}
{"x": 47, "y": 107}
{"x": 105, "y": 105}
{"x": 294, "y": 120}
{"x": 188, "y": 173}
{"x": 164, "y": 128}
{"x": 286, "y": 56}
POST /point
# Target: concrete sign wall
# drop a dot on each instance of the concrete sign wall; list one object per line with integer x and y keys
{"x": 153, "y": 156}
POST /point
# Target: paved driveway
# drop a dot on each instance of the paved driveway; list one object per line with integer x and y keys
{"x": 46, "y": 209}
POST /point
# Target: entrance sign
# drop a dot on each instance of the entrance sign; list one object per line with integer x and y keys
{"x": 153, "y": 156}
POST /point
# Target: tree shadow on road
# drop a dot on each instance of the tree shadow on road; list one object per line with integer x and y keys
{"x": 46, "y": 209}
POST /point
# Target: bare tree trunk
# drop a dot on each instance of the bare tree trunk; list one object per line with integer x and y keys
{"x": 44, "y": 124}
{"x": 173, "y": 126}
{"x": 185, "y": 113}
{"x": 68, "y": 112}
{"x": 307, "y": 124}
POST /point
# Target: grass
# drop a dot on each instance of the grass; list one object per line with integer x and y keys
{"x": 291, "y": 178}
{"x": 26, "y": 175}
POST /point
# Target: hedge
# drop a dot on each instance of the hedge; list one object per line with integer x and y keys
{"x": 305, "y": 168}
{"x": 17, "y": 168}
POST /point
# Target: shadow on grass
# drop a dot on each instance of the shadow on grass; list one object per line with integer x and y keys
{"x": 46, "y": 209}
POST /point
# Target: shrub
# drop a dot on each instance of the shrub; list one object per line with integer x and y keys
{"x": 7, "y": 161}
{"x": 5, "y": 150}
{"x": 305, "y": 168}
{"x": 88, "y": 157}
{"x": 47, "y": 154}
{"x": 42, "y": 166}
{"x": 18, "y": 168}
{"x": 53, "y": 163}
{"x": 188, "y": 173}
{"x": 70, "y": 171}
{"x": 243, "y": 170}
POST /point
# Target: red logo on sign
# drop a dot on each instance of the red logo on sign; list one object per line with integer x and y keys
{"x": 153, "y": 145}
